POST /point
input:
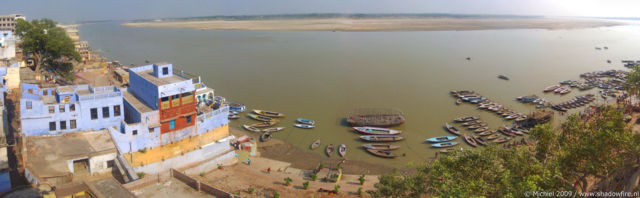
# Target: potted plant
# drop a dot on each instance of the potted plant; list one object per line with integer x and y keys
{"x": 336, "y": 188}
{"x": 287, "y": 181}
{"x": 361, "y": 179}
{"x": 276, "y": 195}
{"x": 314, "y": 177}
{"x": 251, "y": 190}
{"x": 321, "y": 166}
{"x": 360, "y": 192}
{"x": 219, "y": 166}
{"x": 305, "y": 185}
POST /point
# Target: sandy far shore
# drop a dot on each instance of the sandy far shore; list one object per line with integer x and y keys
{"x": 384, "y": 24}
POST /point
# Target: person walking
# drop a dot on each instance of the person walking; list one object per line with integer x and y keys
{"x": 249, "y": 162}
{"x": 269, "y": 170}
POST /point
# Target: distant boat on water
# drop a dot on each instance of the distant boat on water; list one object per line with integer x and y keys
{"x": 503, "y": 77}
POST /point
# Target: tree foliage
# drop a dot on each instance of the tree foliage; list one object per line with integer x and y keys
{"x": 49, "y": 43}
{"x": 596, "y": 147}
{"x": 633, "y": 81}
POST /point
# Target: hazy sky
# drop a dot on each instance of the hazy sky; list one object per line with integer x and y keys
{"x": 82, "y": 10}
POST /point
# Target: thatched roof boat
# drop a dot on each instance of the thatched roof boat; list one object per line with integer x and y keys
{"x": 378, "y": 117}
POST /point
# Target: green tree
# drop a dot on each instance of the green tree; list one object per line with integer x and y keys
{"x": 547, "y": 139}
{"x": 287, "y": 181}
{"x": 305, "y": 185}
{"x": 633, "y": 81}
{"x": 49, "y": 44}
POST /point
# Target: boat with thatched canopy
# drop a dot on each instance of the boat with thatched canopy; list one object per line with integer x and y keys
{"x": 377, "y": 117}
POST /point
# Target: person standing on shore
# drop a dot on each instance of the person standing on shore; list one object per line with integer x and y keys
{"x": 269, "y": 170}
{"x": 249, "y": 161}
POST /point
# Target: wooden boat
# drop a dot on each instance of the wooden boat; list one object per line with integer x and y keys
{"x": 458, "y": 101}
{"x": 487, "y": 133}
{"x": 233, "y": 116}
{"x": 446, "y": 150}
{"x": 494, "y": 136}
{"x": 444, "y": 144}
{"x": 329, "y": 150}
{"x": 342, "y": 150}
{"x": 272, "y": 130}
{"x": 452, "y": 129}
{"x": 305, "y": 121}
{"x": 315, "y": 144}
{"x": 441, "y": 139}
{"x": 265, "y": 124}
{"x": 376, "y": 131}
{"x": 551, "y": 88}
{"x": 502, "y": 140}
{"x": 377, "y": 117}
{"x": 250, "y": 128}
{"x": 381, "y": 138}
{"x": 236, "y": 107}
{"x": 477, "y": 126}
{"x": 483, "y": 129}
{"x": 512, "y": 116}
{"x": 470, "y": 140}
{"x": 265, "y": 137}
{"x": 380, "y": 146}
{"x": 382, "y": 153}
{"x": 503, "y": 77}
{"x": 465, "y": 119}
{"x": 472, "y": 123}
{"x": 260, "y": 118}
{"x": 304, "y": 126}
{"x": 272, "y": 114}
{"x": 479, "y": 140}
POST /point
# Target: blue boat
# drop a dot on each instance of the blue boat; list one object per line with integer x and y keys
{"x": 444, "y": 144}
{"x": 233, "y": 106}
{"x": 304, "y": 126}
{"x": 305, "y": 121}
{"x": 441, "y": 139}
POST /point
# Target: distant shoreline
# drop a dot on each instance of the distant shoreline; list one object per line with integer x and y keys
{"x": 383, "y": 24}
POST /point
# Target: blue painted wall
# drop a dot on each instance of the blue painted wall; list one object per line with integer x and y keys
{"x": 146, "y": 91}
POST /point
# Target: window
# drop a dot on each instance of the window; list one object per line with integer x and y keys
{"x": 188, "y": 119}
{"x": 172, "y": 124}
{"x": 116, "y": 110}
{"x": 52, "y": 126}
{"x": 63, "y": 125}
{"x": 72, "y": 107}
{"x": 52, "y": 109}
{"x": 151, "y": 130}
{"x": 30, "y": 91}
{"x": 187, "y": 98}
{"x": 165, "y": 71}
{"x": 72, "y": 124}
{"x": 165, "y": 102}
{"x": 110, "y": 164}
{"x": 29, "y": 105}
{"x": 135, "y": 132}
{"x": 45, "y": 92}
{"x": 94, "y": 113}
{"x": 61, "y": 108}
{"x": 105, "y": 112}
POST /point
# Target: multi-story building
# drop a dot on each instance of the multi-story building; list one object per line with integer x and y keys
{"x": 8, "y": 22}
{"x": 82, "y": 47}
{"x": 7, "y": 45}
{"x": 51, "y": 111}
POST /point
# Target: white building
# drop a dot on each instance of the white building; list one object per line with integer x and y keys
{"x": 8, "y": 22}
{"x": 7, "y": 45}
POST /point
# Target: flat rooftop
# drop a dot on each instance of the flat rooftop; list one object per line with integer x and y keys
{"x": 47, "y": 156}
{"x": 108, "y": 188}
{"x": 148, "y": 75}
{"x": 136, "y": 103}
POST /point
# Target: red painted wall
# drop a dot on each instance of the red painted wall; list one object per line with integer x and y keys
{"x": 179, "y": 114}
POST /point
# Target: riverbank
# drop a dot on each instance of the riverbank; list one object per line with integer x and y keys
{"x": 279, "y": 150}
{"x": 383, "y": 24}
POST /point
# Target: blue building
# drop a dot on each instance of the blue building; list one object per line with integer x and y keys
{"x": 55, "y": 110}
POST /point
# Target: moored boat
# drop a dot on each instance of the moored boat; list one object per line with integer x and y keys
{"x": 265, "y": 137}
{"x": 483, "y": 129}
{"x": 265, "y": 124}
{"x": 342, "y": 150}
{"x": 272, "y": 130}
{"x": 441, "y": 139}
{"x": 233, "y": 116}
{"x": 487, "y": 133}
{"x": 381, "y": 138}
{"x": 376, "y": 131}
{"x": 382, "y": 153}
{"x": 494, "y": 136}
{"x": 551, "y": 88}
{"x": 272, "y": 114}
{"x": 470, "y": 140}
{"x": 452, "y": 129}
{"x": 458, "y": 101}
{"x": 315, "y": 144}
{"x": 233, "y": 106}
{"x": 444, "y": 144}
{"x": 502, "y": 140}
{"x": 250, "y": 128}
{"x": 260, "y": 117}
{"x": 380, "y": 146}
{"x": 446, "y": 150}
{"x": 479, "y": 140}
{"x": 329, "y": 150}
{"x": 304, "y": 126}
{"x": 465, "y": 119}
{"x": 305, "y": 121}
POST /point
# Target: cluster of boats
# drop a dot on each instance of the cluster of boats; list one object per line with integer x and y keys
{"x": 534, "y": 99}
{"x": 481, "y": 137}
{"x": 576, "y": 102}
{"x": 330, "y": 149}
{"x": 485, "y": 104}
{"x": 575, "y": 84}
{"x": 378, "y": 134}
{"x": 615, "y": 79}
{"x": 558, "y": 89}
{"x": 630, "y": 63}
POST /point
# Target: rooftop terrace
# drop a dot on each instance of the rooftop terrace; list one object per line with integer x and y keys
{"x": 148, "y": 75}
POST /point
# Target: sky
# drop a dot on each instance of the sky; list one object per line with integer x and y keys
{"x": 70, "y": 11}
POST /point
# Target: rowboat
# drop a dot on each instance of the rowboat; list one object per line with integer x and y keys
{"x": 551, "y": 88}
{"x": 305, "y": 121}
{"x": 265, "y": 137}
{"x": 452, "y": 129}
{"x": 382, "y": 153}
{"x": 272, "y": 130}
{"x": 474, "y": 122}
{"x": 494, "y": 136}
{"x": 250, "y": 128}
{"x": 329, "y": 150}
{"x": 315, "y": 144}
{"x": 458, "y": 101}
{"x": 470, "y": 140}
{"x": 380, "y": 146}
{"x": 487, "y": 133}
{"x": 444, "y": 144}
{"x": 512, "y": 116}
{"x": 268, "y": 113}
{"x": 342, "y": 150}
{"x": 233, "y": 116}
{"x": 503, "y": 77}
{"x": 479, "y": 140}
{"x": 502, "y": 140}
{"x": 304, "y": 126}
{"x": 233, "y": 106}
{"x": 376, "y": 131}
{"x": 381, "y": 138}
{"x": 260, "y": 117}
{"x": 481, "y": 129}
{"x": 446, "y": 150}
{"x": 465, "y": 119}
{"x": 441, "y": 139}
{"x": 265, "y": 124}
{"x": 477, "y": 126}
